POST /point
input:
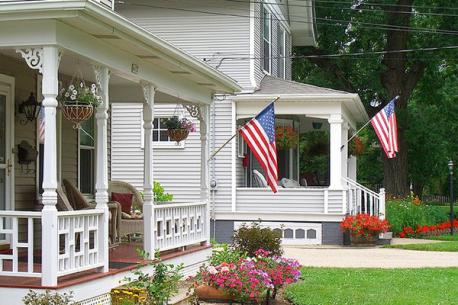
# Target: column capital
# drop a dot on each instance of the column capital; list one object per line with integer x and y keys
{"x": 335, "y": 119}
{"x": 149, "y": 90}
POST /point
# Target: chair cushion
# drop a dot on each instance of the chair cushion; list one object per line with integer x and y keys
{"x": 289, "y": 183}
{"x": 125, "y": 199}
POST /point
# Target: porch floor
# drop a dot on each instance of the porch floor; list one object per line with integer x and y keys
{"x": 122, "y": 257}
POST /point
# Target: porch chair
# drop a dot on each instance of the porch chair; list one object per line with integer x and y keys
{"x": 74, "y": 200}
{"x": 258, "y": 179}
{"x": 127, "y": 223}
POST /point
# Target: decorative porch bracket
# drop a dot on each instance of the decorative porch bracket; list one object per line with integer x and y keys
{"x": 102, "y": 76}
{"x": 34, "y": 57}
{"x": 149, "y": 246}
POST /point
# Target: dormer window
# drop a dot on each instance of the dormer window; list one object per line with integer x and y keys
{"x": 267, "y": 40}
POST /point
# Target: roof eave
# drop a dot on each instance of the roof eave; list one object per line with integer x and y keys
{"x": 68, "y": 8}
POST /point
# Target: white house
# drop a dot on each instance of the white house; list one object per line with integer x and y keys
{"x": 47, "y": 44}
{"x": 251, "y": 42}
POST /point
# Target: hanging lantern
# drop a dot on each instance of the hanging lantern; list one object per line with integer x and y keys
{"x": 30, "y": 108}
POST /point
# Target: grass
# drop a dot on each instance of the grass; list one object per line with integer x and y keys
{"x": 335, "y": 286}
{"x": 445, "y": 237}
{"x": 446, "y": 246}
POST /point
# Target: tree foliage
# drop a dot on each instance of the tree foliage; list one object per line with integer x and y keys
{"x": 423, "y": 79}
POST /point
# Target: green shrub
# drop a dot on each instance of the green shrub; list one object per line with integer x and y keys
{"x": 48, "y": 298}
{"x": 159, "y": 193}
{"x": 226, "y": 254}
{"x": 402, "y": 213}
{"x": 249, "y": 239}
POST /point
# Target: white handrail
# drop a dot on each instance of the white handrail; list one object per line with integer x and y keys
{"x": 360, "y": 186}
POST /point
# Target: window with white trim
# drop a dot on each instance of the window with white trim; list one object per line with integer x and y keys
{"x": 86, "y": 152}
{"x": 160, "y": 131}
{"x": 281, "y": 52}
{"x": 267, "y": 40}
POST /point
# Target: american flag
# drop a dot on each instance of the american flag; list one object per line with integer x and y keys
{"x": 41, "y": 126}
{"x": 385, "y": 125}
{"x": 259, "y": 134}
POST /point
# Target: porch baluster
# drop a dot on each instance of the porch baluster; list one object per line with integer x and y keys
{"x": 148, "y": 205}
{"x": 50, "y": 238}
{"x": 102, "y": 75}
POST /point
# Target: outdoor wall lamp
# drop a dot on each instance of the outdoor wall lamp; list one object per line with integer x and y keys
{"x": 30, "y": 108}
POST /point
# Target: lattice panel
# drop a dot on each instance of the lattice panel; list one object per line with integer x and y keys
{"x": 104, "y": 299}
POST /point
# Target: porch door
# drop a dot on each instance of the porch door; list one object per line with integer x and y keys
{"x": 6, "y": 143}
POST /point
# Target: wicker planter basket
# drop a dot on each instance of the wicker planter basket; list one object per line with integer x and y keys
{"x": 77, "y": 113}
{"x": 178, "y": 135}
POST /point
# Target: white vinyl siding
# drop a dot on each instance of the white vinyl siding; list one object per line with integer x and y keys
{"x": 209, "y": 37}
{"x": 177, "y": 169}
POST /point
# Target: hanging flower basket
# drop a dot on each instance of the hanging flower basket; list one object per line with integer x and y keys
{"x": 286, "y": 137}
{"x": 78, "y": 102}
{"x": 77, "y": 113}
{"x": 356, "y": 147}
{"x": 179, "y": 129}
{"x": 178, "y": 135}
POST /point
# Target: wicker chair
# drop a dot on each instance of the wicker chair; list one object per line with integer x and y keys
{"x": 73, "y": 200}
{"x": 128, "y": 225}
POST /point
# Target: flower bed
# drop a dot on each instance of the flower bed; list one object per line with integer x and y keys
{"x": 422, "y": 231}
{"x": 250, "y": 279}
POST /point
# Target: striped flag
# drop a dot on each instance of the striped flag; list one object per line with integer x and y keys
{"x": 41, "y": 126}
{"x": 259, "y": 134}
{"x": 385, "y": 125}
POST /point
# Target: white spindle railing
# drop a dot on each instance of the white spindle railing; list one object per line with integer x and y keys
{"x": 19, "y": 261}
{"x": 179, "y": 224}
{"x": 360, "y": 199}
{"x": 78, "y": 241}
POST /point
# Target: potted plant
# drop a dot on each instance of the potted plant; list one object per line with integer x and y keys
{"x": 286, "y": 137}
{"x": 78, "y": 102}
{"x": 179, "y": 129}
{"x": 364, "y": 228}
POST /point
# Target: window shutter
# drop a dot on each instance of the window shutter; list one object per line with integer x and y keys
{"x": 261, "y": 37}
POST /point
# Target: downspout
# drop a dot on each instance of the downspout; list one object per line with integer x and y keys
{"x": 213, "y": 181}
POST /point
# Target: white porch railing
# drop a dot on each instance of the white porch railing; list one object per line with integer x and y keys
{"x": 360, "y": 199}
{"x": 78, "y": 233}
{"x": 179, "y": 224}
{"x": 17, "y": 229}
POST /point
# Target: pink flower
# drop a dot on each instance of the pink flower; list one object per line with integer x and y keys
{"x": 224, "y": 269}
{"x": 212, "y": 270}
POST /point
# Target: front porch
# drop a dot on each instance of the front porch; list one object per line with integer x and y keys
{"x": 41, "y": 244}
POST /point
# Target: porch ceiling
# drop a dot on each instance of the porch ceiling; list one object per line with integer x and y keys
{"x": 107, "y": 38}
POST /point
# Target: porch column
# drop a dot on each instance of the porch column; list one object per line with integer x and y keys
{"x": 335, "y": 125}
{"x": 203, "y": 120}
{"x": 204, "y": 182}
{"x": 344, "y": 152}
{"x": 148, "y": 196}
{"x": 49, "y": 233}
{"x": 102, "y": 75}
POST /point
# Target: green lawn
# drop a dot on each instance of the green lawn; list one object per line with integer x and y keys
{"x": 447, "y": 246}
{"x": 445, "y": 237}
{"x": 335, "y": 286}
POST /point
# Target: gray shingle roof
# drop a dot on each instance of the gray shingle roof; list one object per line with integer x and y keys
{"x": 275, "y": 85}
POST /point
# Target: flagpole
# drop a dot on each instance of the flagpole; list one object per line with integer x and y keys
{"x": 364, "y": 126}
{"x": 233, "y": 136}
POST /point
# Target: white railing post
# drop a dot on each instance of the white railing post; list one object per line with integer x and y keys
{"x": 381, "y": 204}
{"x": 335, "y": 122}
{"x": 102, "y": 76}
{"x": 50, "y": 238}
{"x": 148, "y": 196}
